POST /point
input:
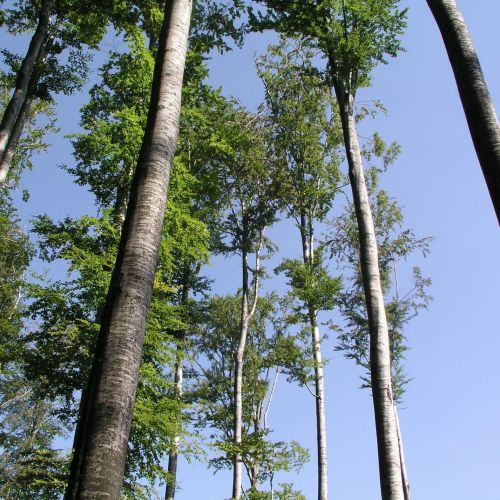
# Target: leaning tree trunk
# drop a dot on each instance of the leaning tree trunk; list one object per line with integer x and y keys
{"x": 476, "y": 99}
{"x": 13, "y": 141}
{"x": 115, "y": 371}
{"x": 24, "y": 111}
{"x": 380, "y": 356}
{"x": 319, "y": 393}
{"x": 23, "y": 80}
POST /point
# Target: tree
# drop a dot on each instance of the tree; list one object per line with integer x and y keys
{"x": 476, "y": 99}
{"x": 396, "y": 245}
{"x": 266, "y": 355}
{"x": 60, "y": 27}
{"x": 250, "y": 208}
{"x": 304, "y": 138}
{"x": 114, "y": 375}
{"x": 354, "y": 36}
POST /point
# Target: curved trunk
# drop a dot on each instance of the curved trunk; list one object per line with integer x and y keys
{"x": 319, "y": 393}
{"x": 380, "y": 357}
{"x": 476, "y": 99}
{"x": 115, "y": 370}
{"x": 24, "y": 79}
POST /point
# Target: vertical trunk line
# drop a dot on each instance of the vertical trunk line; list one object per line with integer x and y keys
{"x": 380, "y": 359}
{"x": 238, "y": 365}
{"x": 307, "y": 237}
{"x": 173, "y": 456}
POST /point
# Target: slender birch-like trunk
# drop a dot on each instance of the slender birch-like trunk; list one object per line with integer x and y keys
{"x": 24, "y": 77}
{"x": 114, "y": 377}
{"x": 173, "y": 456}
{"x": 238, "y": 370}
{"x": 380, "y": 356}
{"x": 322, "y": 455}
{"x": 476, "y": 99}
{"x": 247, "y": 312}
{"x": 404, "y": 474}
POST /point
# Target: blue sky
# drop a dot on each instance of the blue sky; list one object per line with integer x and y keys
{"x": 451, "y": 411}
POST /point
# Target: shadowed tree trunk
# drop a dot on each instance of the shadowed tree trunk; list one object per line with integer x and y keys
{"x": 23, "y": 115}
{"x": 476, "y": 99}
{"x": 391, "y": 481}
{"x": 105, "y": 420}
{"x": 24, "y": 78}
{"x": 173, "y": 456}
{"x": 13, "y": 141}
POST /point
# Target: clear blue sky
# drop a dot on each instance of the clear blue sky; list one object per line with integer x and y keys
{"x": 450, "y": 418}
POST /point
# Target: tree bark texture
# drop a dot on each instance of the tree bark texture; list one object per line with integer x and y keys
{"x": 115, "y": 370}
{"x": 380, "y": 357}
{"x": 319, "y": 393}
{"x": 23, "y": 80}
{"x": 476, "y": 100}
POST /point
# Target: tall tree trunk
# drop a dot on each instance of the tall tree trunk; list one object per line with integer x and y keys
{"x": 380, "y": 356}
{"x": 238, "y": 370}
{"x": 13, "y": 141}
{"x": 23, "y": 80}
{"x": 404, "y": 475}
{"x": 23, "y": 115}
{"x": 115, "y": 370}
{"x": 319, "y": 393}
{"x": 476, "y": 99}
{"x": 173, "y": 456}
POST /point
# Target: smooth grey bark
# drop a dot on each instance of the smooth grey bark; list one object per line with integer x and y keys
{"x": 114, "y": 377}
{"x": 23, "y": 80}
{"x": 476, "y": 99}
{"x": 247, "y": 312}
{"x": 307, "y": 238}
{"x": 380, "y": 356}
{"x": 404, "y": 474}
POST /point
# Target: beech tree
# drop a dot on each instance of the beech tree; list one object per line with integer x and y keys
{"x": 59, "y": 28}
{"x": 396, "y": 246}
{"x": 304, "y": 138}
{"x": 267, "y": 354}
{"x": 353, "y": 36}
{"x": 250, "y": 208}
{"x": 476, "y": 99}
{"x": 114, "y": 375}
